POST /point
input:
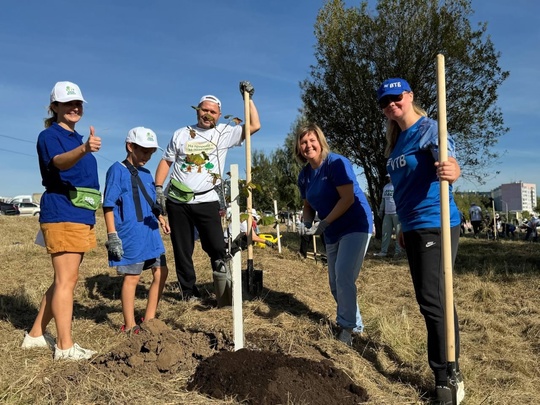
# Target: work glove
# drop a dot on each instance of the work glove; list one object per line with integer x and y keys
{"x": 247, "y": 86}
{"x": 268, "y": 243}
{"x": 114, "y": 246}
{"x": 302, "y": 228}
{"x": 161, "y": 200}
{"x": 318, "y": 228}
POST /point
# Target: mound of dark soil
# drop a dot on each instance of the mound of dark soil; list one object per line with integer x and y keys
{"x": 159, "y": 349}
{"x": 268, "y": 378}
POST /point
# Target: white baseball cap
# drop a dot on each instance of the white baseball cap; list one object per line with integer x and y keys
{"x": 211, "y": 98}
{"x": 142, "y": 136}
{"x": 254, "y": 214}
{"x": 66, "y": 91}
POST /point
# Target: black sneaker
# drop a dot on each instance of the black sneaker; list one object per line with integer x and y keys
{"x": 191, "y": 295}
{"x": 443, "y": 396}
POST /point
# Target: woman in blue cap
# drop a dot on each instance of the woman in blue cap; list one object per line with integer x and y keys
{"x": 412, "y": 151}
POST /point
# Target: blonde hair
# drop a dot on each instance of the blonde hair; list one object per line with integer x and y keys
{"x": 393, "y": 130}
{"x": 303, "y": 130}
{"x": 53, "y": 115}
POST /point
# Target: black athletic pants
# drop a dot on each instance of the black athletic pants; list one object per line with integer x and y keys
{"x": 183, "y": 218}
{"x": 424, "y": 252}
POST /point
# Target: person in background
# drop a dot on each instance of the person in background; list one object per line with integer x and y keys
{"x": 462, "y": 224}
{"x": 532, "y": 224}
{"x": 475, "y": 215}
{"x": 387, "y": 211}
{"x": 240, "y": 241}
{"x": 198, "y": 153}
{"x": 509, "y": 230}
{"x": 132, "y": 218}
{"x": 67, "y": 218}
{"x": 329, "y": 187}
{"x": 413, "y": 154}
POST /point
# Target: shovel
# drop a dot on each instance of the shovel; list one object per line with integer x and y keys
{"x": 252, "y": 280}
{"x": 454, "y": 383}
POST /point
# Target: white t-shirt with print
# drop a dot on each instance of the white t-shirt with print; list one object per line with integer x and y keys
{"x": 199, "y": 157}
{"x": 388, "y": 199}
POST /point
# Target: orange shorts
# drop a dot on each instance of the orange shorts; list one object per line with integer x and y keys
{"x": 68, "y": 237}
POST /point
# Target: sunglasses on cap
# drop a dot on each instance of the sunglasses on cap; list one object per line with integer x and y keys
{"x": 392, "y": 98}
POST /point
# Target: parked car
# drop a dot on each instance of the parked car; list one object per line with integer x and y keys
{"x": 8, "y": 209}
{"x": 28, "y": 208}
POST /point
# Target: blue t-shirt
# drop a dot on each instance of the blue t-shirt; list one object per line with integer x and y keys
{"x": 140, "y": 240}
{"x": 318, "y": 187}
{"x": 55, "y": 204}
{"x": 416, "y": 185}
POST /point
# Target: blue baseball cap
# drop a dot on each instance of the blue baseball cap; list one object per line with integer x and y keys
{"x": 393, "y": 86}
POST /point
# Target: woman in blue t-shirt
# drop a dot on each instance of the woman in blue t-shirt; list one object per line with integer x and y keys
{"x": 328, "y": 186}
{"x": 67, "y": 223}
{"x": 412, "y": 151}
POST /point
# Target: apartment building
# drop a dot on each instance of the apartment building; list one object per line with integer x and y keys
{"x": 515, "y": 197}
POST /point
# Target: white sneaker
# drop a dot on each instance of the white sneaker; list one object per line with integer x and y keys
{"x": 380, "y": 254}
{"x": 345, "y": 336}
{"x": 44, "y": 340}
{"x": 75, "y": 352}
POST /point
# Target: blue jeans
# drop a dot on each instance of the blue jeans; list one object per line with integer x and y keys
{"x": 345, "y": 259}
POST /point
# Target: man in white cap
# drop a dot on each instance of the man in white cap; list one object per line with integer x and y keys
{"x": 190, "y": 199}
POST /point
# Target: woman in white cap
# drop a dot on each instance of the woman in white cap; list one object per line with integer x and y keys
{"x": 132, "y": 218}
{"x": 413, "y": 154}
{"x": 67, "y": 218}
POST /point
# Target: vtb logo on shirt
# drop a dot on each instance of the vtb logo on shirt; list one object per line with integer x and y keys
{"x": 397, "y": 162}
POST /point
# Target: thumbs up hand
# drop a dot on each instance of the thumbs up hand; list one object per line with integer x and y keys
{"x": 93, "y": 144}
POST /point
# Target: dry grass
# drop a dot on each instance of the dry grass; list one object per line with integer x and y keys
{"x": 497, "y": 291}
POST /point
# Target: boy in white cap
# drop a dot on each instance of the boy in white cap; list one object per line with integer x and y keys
{"x": 133, "y": 219}
{"x": 198, "y": 153}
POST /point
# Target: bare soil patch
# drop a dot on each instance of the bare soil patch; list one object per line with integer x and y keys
{"x": 267, "y": 378}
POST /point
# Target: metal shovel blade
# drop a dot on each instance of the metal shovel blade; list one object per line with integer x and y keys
{"x": 455, "y": 384}
{"x": 252, "y": 281}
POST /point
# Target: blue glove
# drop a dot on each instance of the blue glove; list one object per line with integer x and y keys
{"x": 114, "y": 246}
{"x": 317, "y": 229}
{"x": 247, "y": 86}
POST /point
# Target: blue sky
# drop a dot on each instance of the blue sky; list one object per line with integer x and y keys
{"x": 142, "y": 63}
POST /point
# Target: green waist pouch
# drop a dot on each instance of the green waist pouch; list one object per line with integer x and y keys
{"x": 84, "y": 197}
{"x": 180, "y": 192}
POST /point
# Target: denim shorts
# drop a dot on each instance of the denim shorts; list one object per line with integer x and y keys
{"x": 137, "y": 268}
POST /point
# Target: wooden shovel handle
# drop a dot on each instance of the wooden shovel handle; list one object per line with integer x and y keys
{"x": 247, "y": 133}
{"x": 445, "y": 216}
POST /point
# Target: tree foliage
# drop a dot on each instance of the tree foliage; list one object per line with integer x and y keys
{"x": 358, "y": 49}
{"x": 278, "y": 175}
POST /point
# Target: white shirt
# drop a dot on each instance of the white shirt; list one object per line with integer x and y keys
{"x": 199, "y": 157}
{"x": 388, "y": 203}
